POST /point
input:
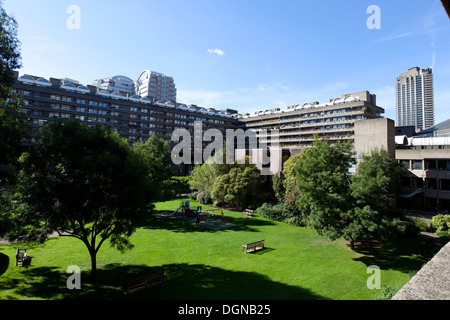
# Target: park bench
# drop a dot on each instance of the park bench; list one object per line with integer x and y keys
{"x": 254, "y": 246}
{"x": 248, "y": 212}
{"x": 144, "y": 282}
{"x": 22, "y": 259}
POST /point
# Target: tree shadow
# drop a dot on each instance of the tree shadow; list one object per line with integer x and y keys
{"x": 403, "y": 254}
{"x": 181, "y": 282}
{"x": 4, "y": 263}
{"x": 159, "y": 220}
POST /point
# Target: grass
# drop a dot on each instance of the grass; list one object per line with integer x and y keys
{"x": 201, "y": 263}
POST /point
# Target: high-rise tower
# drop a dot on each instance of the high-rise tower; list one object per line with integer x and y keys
{"x": 415, "y": 99}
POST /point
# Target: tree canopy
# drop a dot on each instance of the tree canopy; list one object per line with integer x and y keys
{"x": 339, "y": 204}
{"x": 10, "y": 59}
{"x": 85, "y": 182}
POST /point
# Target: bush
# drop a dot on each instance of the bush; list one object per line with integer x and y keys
{"x": 204, "y": 198}
{"x": 410, "y": 229}
{"x": 193, "y": 195}
{"x": 442, "y": 225}
{"x": 282, "y": 212}
{"x": 387, "y": 293}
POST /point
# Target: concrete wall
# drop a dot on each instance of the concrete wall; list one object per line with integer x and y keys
{"x": 374, "y": 133}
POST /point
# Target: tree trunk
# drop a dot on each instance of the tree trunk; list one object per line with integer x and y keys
{"x": 352, "y": 244}
{"x": 93, "y": 265}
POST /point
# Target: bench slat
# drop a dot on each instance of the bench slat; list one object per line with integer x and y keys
{"x": 144, "y": 282}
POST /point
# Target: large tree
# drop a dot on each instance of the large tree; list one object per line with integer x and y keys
{"x": 13, "y": 123}
{"x": 9, "y": 51}
{"x": 87, "y": 183}
{"x": 323, "y": 180}
{"x": 339, "y": 204}
{"x": 13, "y": 129}
{"x": 376, "y": 185}
{"x": 156, "y": 153}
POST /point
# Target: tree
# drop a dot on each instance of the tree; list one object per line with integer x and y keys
{"x": 156, "y": 153}
{"x": 340, "y": 205}
{"x": 378, "y": 182}
{"x": 323, "y": 181}
{"x": 9, "y": 52}
{"x": 13, "y": 129}
{"x": 87, "y": 183}
{"x": 13, "y": 123}
{"x": 289, "y": 179}
{"x": 241, "y": 186}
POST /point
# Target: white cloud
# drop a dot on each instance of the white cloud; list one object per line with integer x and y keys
{"x": 216, "y": 51}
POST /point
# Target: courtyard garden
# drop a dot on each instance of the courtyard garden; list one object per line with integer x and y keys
{"x": 208, "y": 263}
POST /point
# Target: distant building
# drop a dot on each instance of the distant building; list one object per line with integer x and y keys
{"x": 156, "y": 85}
{"x": 426, "y": 185}
{"x": 116, "y": 83}
{"x": 333, "y": 121}
{"x": 415, "y": 99}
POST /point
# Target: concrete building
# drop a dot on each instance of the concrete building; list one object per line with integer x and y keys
{"x": 426, "y": 184}
{"x": 373, "y": 134}
{"x": 334, "y": 121}
{"x": 157, "y": 86}
{"x": 116, "y": 83}
{"x": 132, "y": 116}
{"x": 415, "y": 99}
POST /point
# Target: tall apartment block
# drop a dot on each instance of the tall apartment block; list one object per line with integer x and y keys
{"x": 133, "y": 117}
{"x": 157, "y": 86}
{"x": 415, "y": 99}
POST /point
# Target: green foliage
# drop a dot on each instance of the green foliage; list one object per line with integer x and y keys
{"x": 387, "y": 293}
{"x": 86, "y": 181}
{"x": 289, "y": 179}
{"x": 204, "y": 198}
{"x": 324, "y": 184}
{"x": 241, "y": 186}
{"x": 156, "y": 154}
{"x": 228, "y": 184}
{"x": 340, "y": 205}
{"x": 13, "y": 128}
{"x": 9, "y": 52}
{"x": 282, "y": 212}
{"x": 442, "y": 225}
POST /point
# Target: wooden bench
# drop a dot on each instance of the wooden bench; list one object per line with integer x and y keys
{"x": 255, "y": 246}
{"x": 248, "y": 212}
{"x": 22, "y": 260}
{"x": 144, "y": 282}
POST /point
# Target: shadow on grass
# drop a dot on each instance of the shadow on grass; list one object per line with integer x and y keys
{"x": 4, "y": 263}
{"x": 407, "y": 255}
{"x": 182, "y": 282}
{"x": 185, "y": 224}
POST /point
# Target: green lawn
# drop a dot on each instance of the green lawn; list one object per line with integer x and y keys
{"x": 201, "y": 263}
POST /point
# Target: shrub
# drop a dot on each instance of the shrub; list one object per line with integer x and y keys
{"x": 193, "y": 195}
{"x": 442, "y": 225}
{"x": 205, "y": 198}
{"x": 387, "y": 293}
{"x": 282, "y": 212}
{"x": 410, "y": 229}
{"x": 421, "y": 224}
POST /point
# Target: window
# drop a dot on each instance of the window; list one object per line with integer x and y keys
{"x": 417, "y": 165}
{"x": 406, "y": 164}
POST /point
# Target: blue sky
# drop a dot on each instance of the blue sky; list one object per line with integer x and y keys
{"x": 243, "y": 54}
